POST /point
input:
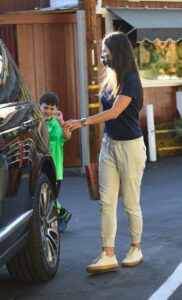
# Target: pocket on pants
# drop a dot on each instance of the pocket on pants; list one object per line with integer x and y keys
{"x": 135, "y": 158}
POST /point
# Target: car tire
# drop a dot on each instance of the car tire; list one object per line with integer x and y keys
{"x": 39, "y": 258}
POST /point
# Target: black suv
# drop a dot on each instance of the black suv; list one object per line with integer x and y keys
{"x": 29, "y": 235}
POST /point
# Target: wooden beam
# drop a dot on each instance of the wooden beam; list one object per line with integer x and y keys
{"x": 91, "y": 19}
{"x": 37, "y": 18}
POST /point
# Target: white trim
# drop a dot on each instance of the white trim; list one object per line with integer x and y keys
{"x": 83, "y": 85}
{"x": 161, "y": 83}
{"x": 108, "y": 23}
{"x": 108, "y": 18}
{"x": 102, "y": 10}
{"x": 152, "y": 41}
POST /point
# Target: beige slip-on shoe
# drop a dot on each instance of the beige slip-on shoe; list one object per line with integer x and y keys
{"x": 103, "y": 263}
{"x": 133, "y": 257}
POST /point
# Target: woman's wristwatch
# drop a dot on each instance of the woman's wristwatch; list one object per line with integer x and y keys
{"x": 84, "y": 122}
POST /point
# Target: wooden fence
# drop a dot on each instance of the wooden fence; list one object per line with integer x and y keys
{"x": 46, "y": 50}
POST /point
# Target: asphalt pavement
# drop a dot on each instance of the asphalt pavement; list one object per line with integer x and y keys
{"x": 161, "y": 200}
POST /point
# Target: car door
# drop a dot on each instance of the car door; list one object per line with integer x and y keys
{"x": 18, "y": 119}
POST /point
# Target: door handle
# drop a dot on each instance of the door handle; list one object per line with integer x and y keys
{"x": 28, "y": 124}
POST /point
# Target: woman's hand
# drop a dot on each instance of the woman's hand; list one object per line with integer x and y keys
{"x": 72, "y": 125}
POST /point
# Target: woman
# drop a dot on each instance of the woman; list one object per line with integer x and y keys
{"x": 123, "y": 153}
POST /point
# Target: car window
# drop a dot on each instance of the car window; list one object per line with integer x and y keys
{"x": 12, "y": 86}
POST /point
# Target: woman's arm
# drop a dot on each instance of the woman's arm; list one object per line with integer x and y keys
{"x": 118, "y": 107}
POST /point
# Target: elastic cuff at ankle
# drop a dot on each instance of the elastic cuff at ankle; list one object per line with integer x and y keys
{"x": 108, "y": 242}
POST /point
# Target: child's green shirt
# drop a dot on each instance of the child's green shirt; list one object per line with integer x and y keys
{"x": 57, "y": 141}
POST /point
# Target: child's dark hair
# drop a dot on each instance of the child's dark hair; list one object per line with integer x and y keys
{"x": 49, "y": 99}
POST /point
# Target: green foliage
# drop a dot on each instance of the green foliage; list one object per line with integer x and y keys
{"x": 169, "y": 138}
{"x": 166, "y": 125}
{"x": 169, "y": 153}
{"x": 162, "y": 134}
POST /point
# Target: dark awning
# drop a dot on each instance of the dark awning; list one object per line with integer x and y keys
{"x": 151, "y": 24}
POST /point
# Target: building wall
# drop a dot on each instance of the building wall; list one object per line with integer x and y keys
{"x": 164, "y": 103}
{"x": 162, "y": 98}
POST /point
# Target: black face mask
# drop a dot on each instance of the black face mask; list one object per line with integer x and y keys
{"x": 106, "y": 61}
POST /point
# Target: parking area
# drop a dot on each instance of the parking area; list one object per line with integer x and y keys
{"x": 162, "y": 244}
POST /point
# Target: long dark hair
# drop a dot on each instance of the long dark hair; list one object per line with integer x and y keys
{"x": 123, "y": 63}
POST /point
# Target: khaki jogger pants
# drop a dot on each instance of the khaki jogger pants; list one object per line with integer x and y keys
{"x": 121, "y": 166}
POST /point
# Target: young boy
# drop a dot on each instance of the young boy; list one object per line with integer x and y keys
{"x": 58, "y": 136}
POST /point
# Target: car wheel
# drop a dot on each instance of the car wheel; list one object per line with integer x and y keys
{"x": 39, "y": 258}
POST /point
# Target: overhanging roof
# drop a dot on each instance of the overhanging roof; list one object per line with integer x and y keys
{"x": 151, "y": 24}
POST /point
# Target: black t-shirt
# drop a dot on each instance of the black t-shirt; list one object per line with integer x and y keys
{"x": 126, "y": 126}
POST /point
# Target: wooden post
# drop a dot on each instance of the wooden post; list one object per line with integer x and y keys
{"x": 90, "y": 8}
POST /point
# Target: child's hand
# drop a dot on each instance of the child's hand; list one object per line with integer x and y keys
{"x": 59, "y": 116}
